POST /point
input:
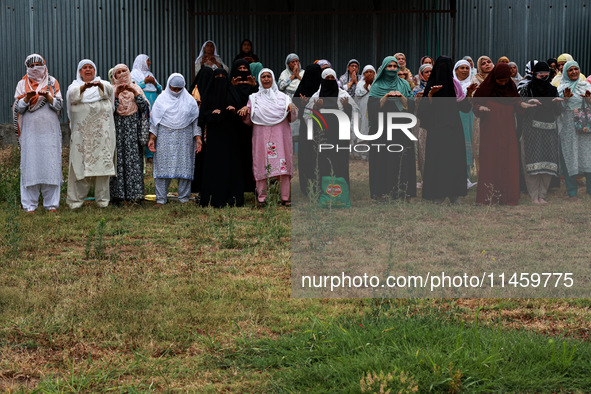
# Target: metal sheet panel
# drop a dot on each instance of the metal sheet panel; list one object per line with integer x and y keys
{"x": 115, "y": 31}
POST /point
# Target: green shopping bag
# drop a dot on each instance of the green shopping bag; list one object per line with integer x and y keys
{"x": 334, "y": 193}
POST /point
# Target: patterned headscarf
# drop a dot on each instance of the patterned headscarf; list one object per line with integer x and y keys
{"x": 127, "y": 105}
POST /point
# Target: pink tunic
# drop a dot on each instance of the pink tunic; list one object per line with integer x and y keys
{"x": 271, "y": 150}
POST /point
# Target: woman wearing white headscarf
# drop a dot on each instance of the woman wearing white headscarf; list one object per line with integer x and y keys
{"x": 575, "y": 148}
{"x": 362, "y": 96}
{"x": 92, "y": 146}
{"x": 209, "y": 57}
{"x": 175, "y": 137}
{"x": 143, "y": 77}
{"x": 38, "y": 101}
{"x": 270, "y": 112}
{"x": 462, "y": 72}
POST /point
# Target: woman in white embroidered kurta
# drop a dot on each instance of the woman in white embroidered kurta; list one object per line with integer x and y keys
{"x": 92, "y": 146}
{"x": 38, "y": 100}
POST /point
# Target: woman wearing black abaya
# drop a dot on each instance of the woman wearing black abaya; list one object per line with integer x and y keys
{"x": 445, "y": 163}
{"x": 246, "y": 52}
{"x": 330, "y": 96}
{"x": 306, "y": 153}
{"x": 244, "y": 84}
{"x": 539, "y": 141}
{"x": 198, "y": 90}
{"x": 222, "y": 170}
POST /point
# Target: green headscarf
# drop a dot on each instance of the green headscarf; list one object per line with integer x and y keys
{"x": 388, "y": 80}
{"x": 255, "y": 69}
{"x": 577, "y": 87}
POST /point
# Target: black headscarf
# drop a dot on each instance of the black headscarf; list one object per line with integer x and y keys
{"x": 329, "y": 93}
{"x": 310, "y": 81}
{"x": 243, "y": 54}
{"x": 220, "y": 95}
{"x": 542, "y": 87}
{"x": 244, "y": 90}
{"x": 329, "y": 88}
{"x": 442, "y": 74}
{"x": 552, "y": 70}
{"x": 202, "y": 80}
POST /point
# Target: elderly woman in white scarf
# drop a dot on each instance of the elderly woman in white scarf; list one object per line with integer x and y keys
{"x": 575, "y": 147}
{"x": 175, "y": 137}
{"x": 38, "y": 101}
{"x": 208, "y": 57}
{"x": 92, "y": 146}
{"x": 270, "y": 112}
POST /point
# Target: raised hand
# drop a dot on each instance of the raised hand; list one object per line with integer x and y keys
{"x": 29, "y": 96}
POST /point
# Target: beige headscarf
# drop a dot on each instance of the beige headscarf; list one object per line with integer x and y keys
{"x": 127, "y": 105}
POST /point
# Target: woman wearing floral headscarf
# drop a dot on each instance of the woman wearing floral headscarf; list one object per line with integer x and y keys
{"x": 130, "y": 106}
{"x": 575, "y": 148}
{"x": 391, "y": 174}
{"x": 38, "y": 100}
{"x": 92, "y": 146}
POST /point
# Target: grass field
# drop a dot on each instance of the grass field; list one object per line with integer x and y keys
{"x": 134, "y": 299}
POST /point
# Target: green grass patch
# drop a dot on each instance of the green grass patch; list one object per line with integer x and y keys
{"x": 420, "y": 353}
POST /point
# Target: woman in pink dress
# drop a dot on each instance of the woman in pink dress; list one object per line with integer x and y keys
{"x": 270, "y": 112}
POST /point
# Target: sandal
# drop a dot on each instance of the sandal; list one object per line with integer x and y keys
{"x": 261, "y": 204}
{"x": 286, "y": 203}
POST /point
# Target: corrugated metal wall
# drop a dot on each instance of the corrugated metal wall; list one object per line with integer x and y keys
{"x": 106, "y": 31}
{"x": 114, "y": 31}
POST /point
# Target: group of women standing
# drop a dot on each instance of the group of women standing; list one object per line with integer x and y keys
{"x": 230, "y": 133}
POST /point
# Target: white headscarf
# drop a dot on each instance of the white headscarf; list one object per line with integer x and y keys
{"x": 368, "y": 67}
{"x": 268, "y": 106}
{"x": 327, "y": 72}
{"x": 175, "y": 110}
{"x": 215, "y": 51}
{"x": 90, "y": 95}
{"x": 466, "y": 82}
{"x": 141, "y": 71}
